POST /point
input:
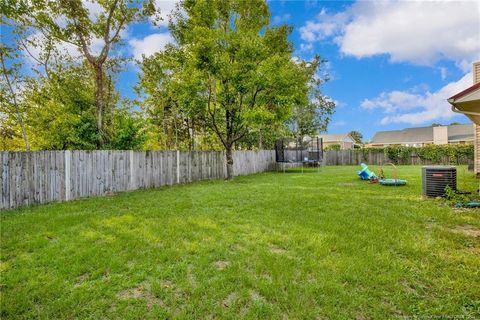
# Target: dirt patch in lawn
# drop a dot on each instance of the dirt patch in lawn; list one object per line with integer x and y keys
{"x": 277, "y": 250}
{"x": 229, "y": 300}
{"x": 346, "y": 184}
{"x": 132, "y": 293}
{"x": 140, "y": 292}
{"x": 475, "y": 250}
{"x": 192, "y": 280}
{"x": 257, "y": 297}
{"x": 81, "y": 279}
{"x": 222, "y": 265}
{"x": 467, "y": 230}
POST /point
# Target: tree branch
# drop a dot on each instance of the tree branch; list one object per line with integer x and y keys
{"x": 12, "y": 92}
{"x": 43, "y": 63}
{"x": 106, "y": 35}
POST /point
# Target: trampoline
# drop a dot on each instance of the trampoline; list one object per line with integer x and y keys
{"x": 305, "y": 151}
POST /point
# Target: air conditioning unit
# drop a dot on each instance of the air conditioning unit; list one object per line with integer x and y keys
{"x": 436, "y": 178}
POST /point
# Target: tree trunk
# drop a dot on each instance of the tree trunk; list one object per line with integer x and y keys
{"x": 22, "y": 126}
{"x": 99, "y": 104}
{"x": 260, "y": 140}
{"x": 229, "y": 156}
{"x": 14, "y": 97}
{"x": 193, "y": 134}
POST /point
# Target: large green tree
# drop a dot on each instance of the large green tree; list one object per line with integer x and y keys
{"x": 61, "y": 113}
{"x": 312, "y": 118}
{"x": 71, "y": 22}
{"x": 228, "y": 69}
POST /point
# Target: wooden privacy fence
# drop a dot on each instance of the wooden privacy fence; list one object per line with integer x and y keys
{"x": 350, "y": 157}
{"x": 353, "y": 157}
{"x": 45, "y": 176}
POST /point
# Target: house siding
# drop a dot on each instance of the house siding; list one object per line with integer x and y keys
{"x": 477, "y": 150}
{"x": 343, "y": 144}
{"x": 347, "y": 145}
{"x": 476, "y": 72}
{"x": 476, "y": 79}
{"x": 440, "y": 135}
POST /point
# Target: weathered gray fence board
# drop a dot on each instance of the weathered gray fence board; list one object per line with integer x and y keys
{"x": 28, "y": 178}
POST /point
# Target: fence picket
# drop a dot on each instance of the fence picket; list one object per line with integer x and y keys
{"x": 44, "y": 176}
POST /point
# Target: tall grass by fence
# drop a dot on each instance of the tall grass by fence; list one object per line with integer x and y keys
{"x": 28, "y": 178}
{"x": 355, "y": 157}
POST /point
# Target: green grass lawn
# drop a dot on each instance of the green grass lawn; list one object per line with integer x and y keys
{"x": 300, "y": 246}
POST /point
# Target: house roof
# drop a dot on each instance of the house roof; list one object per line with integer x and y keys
{"x": 335, "y": 137}
{"x": 460, "y": 132}
{"x": 464, "y": 92}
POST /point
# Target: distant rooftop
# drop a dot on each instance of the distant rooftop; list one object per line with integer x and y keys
{"x": 460, "y": 132}
{"x": 335, "y": 137}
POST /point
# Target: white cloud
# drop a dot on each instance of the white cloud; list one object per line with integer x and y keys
{"x": 296, "y": 59}
{"x": 306, "y": 47}
{"x": 443, "y": 72}
{"x": 416, "y": 108}
{"x": 281, "y": 19}
{"x": 94, "y": 9}
{"x": 420, "y": 32}
{"x": 150, "y": 44}
{"x": 166, "y": 7}
{"x": 324, "y": 27}
{"x": 339, "y": 104}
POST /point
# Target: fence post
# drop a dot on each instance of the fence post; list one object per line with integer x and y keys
{"x": 132, "y": 171}
{"x": 178, "y": 166}
{"x": 68, "y": 160}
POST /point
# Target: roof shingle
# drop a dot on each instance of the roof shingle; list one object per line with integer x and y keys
{"x": 422, "y": 135}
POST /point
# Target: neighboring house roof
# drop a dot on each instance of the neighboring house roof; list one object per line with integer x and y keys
{"x": 337, "y": 137}
{"x": 464, "y": 93}
{"x": 462, "y": 132}
{"x": 468, "y": 102}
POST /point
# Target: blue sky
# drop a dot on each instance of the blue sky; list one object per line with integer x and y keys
{"x": 389, "y": 65}
{"x": 392, "y": 63}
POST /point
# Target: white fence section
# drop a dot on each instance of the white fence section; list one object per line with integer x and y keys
{"x": 28, "y": 178}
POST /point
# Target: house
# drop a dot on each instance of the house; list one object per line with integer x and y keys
{"x": 468, "y": 103}
{"x": 344, "y": 140}
{"x": 419, "y": 137}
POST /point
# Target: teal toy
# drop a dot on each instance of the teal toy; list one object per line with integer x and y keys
{"x": 471, "y": 204}
{"x": 365, "y": 173}
{"x": 392, "y": 182}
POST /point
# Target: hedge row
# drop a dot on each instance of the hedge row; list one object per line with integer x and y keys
{"x": 455, "y": 153}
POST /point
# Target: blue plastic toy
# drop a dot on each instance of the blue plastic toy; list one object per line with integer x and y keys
{"x": 365, "y": 173}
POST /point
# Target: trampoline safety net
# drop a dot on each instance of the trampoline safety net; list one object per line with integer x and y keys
{"x": 299, "y": 150}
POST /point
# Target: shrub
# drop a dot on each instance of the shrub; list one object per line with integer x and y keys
{"x": 398, "y": 154}
{"x": 455, "y": 153}
{"x": 449, "y": 153}
{"x": 334, "y": 147}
